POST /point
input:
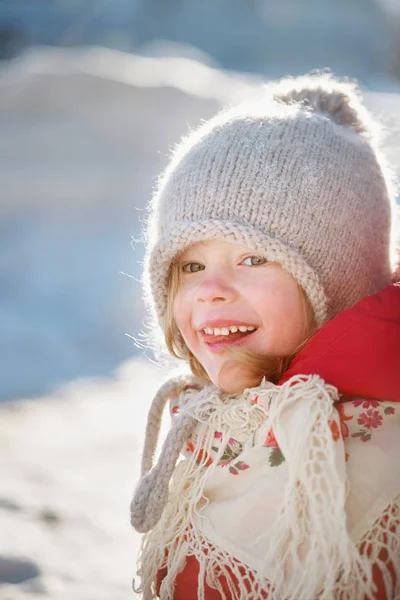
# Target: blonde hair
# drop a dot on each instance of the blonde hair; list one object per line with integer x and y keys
{"x": 257, "y": 366}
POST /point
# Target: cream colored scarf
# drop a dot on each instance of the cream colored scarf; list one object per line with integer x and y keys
{"x": 277, "y": 490}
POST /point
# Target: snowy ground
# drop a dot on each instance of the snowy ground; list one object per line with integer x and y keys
{"x": 83, "y": 136}
{"x": 68, "y": 465}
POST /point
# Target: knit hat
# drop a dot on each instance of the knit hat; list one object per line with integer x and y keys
{"x": 296, "y": 176}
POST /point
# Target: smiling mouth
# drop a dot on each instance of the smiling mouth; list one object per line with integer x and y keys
{"x": 218, "y": 340}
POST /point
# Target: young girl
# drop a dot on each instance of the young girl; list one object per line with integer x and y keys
{"x": 269, "y": 270}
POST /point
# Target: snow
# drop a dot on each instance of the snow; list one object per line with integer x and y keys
{"x": 84, "y": 135}
{"x": 69, "y": 463}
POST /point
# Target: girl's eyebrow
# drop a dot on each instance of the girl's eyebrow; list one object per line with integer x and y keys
{"x": 187, "y": 251}
{"x": 184, "y": 257}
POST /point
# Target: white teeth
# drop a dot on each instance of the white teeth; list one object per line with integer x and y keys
{"x": 227, "y": 330}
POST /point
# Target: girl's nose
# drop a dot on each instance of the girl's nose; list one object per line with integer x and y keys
{"x": 216, "y": 289}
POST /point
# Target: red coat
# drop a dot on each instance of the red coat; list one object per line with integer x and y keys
{"x": 358, "y": 352}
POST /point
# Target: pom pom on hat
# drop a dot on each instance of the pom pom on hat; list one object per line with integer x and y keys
{"x": 339, "y": 101}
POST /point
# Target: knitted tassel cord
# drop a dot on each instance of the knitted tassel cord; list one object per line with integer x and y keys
{"x": 151, "y": 493}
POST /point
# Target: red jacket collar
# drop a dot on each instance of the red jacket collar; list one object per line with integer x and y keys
{"x": 359, "y": 350}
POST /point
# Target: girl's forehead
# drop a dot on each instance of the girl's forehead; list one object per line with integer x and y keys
{"x": 215, "y": 245}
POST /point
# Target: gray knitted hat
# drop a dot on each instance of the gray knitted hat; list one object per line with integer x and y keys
{"x": 296, "y": 176}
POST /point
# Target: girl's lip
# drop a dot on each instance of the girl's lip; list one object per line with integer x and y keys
{"x": 223, "y": 343}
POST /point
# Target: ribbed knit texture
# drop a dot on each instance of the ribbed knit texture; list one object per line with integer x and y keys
{"x": 295, "y": 176}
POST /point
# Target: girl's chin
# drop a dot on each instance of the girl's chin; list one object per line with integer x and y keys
{"x": 234, "y": 378}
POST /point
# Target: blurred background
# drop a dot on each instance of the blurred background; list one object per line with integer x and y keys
{"x": 93, "y": 94}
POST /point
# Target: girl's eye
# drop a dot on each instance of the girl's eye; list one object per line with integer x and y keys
{"x": 253, "y": 261}
{"x": 192, "y": 267}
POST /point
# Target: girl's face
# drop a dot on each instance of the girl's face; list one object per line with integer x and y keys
{"x": 230, "y": 296}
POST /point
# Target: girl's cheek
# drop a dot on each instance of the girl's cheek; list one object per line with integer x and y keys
{"x": 184, "y": 296}
{"x": 176, "y": 309}
{"x": 181, "y": 311}
{"x": 179, "y": 302}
